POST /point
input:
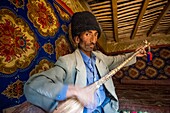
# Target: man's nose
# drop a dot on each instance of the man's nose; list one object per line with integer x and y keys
{"x": 93, "y": 38}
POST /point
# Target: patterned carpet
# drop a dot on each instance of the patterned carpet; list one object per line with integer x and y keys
{"x": 133, "y": 99}
{"x": 144, "y": 98}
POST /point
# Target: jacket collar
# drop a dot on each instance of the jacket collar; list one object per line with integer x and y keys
{"x": 81, "y": 70}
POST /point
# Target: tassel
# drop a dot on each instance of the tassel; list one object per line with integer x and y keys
{"x": 134, "y": 111}
{"x": 149, "y": 55}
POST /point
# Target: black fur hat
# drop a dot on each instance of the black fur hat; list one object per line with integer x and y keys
{"x": 83, "y": 21}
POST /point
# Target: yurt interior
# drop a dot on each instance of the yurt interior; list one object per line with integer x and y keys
{"x": 35, "y": 33}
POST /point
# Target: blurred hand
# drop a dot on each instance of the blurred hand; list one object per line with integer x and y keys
{"x": 85, "y": 95}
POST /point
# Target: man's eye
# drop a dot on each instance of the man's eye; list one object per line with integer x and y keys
{"x": 87, "y": 34}
{"x": 96, "y": 35}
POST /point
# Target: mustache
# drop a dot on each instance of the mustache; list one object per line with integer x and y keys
{"x": 92, "y": 44}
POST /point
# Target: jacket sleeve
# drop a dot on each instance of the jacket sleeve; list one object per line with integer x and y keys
{"x": 42, "y": 89}
{"x": 114, "y": 61}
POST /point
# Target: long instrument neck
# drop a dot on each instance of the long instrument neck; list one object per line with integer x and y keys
{"x": 112, "y": 72}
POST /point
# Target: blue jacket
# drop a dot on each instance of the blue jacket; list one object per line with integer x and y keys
{"x": 42, "y": 88}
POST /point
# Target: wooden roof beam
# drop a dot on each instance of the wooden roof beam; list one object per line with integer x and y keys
{"x": 164, "y": 11}
{"x": 115, "y": 20}
{"x": 168, "y": 30}
{"x": 141, "y": 13}
{"x": 85, "y": 4}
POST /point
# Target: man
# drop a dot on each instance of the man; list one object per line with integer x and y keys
{"x": 74, "y": 71}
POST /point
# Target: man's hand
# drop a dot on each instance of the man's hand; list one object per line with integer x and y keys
{"x": 142, "y": 52}
{"x": 86, "y": 95}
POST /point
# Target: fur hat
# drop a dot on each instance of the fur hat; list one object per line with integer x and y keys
{"x": 83, "y": 21}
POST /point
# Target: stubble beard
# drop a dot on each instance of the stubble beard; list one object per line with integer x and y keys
{"x": 90, "y": 47}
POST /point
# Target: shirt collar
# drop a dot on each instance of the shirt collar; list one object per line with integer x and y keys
{"x": 86, "y": 58}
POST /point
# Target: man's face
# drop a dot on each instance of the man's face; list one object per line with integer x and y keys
{"x": 87, "y": 40}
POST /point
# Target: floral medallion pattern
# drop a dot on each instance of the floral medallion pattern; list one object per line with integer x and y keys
{"x": 62, "y": 47}
{"x": 48, "y": 48}
{"x": 14, "y": 90}
{"x": 18, "y": 45}
{"x": 18, "y": 3}
{"x": 43, "y": 65}
{"x": 33, "y": 34}
{"x": 64, "y": 16}
{"x": 43, "y": 17}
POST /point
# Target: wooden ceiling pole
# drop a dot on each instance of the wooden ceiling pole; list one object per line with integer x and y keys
{"x": 115, "y": 20}
{"x": 85, "y": 4}
{"x": 164, "y": 11}
{"x": 168, "y": 30}
{"x": 141, "y": 13}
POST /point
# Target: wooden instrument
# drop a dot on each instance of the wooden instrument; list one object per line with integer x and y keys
{"x": 72, "y": 105}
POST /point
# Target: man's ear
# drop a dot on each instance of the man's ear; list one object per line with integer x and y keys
{"x": 76, "y": 39}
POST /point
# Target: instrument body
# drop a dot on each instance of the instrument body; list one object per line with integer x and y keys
{"x": 71, "y": 105}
